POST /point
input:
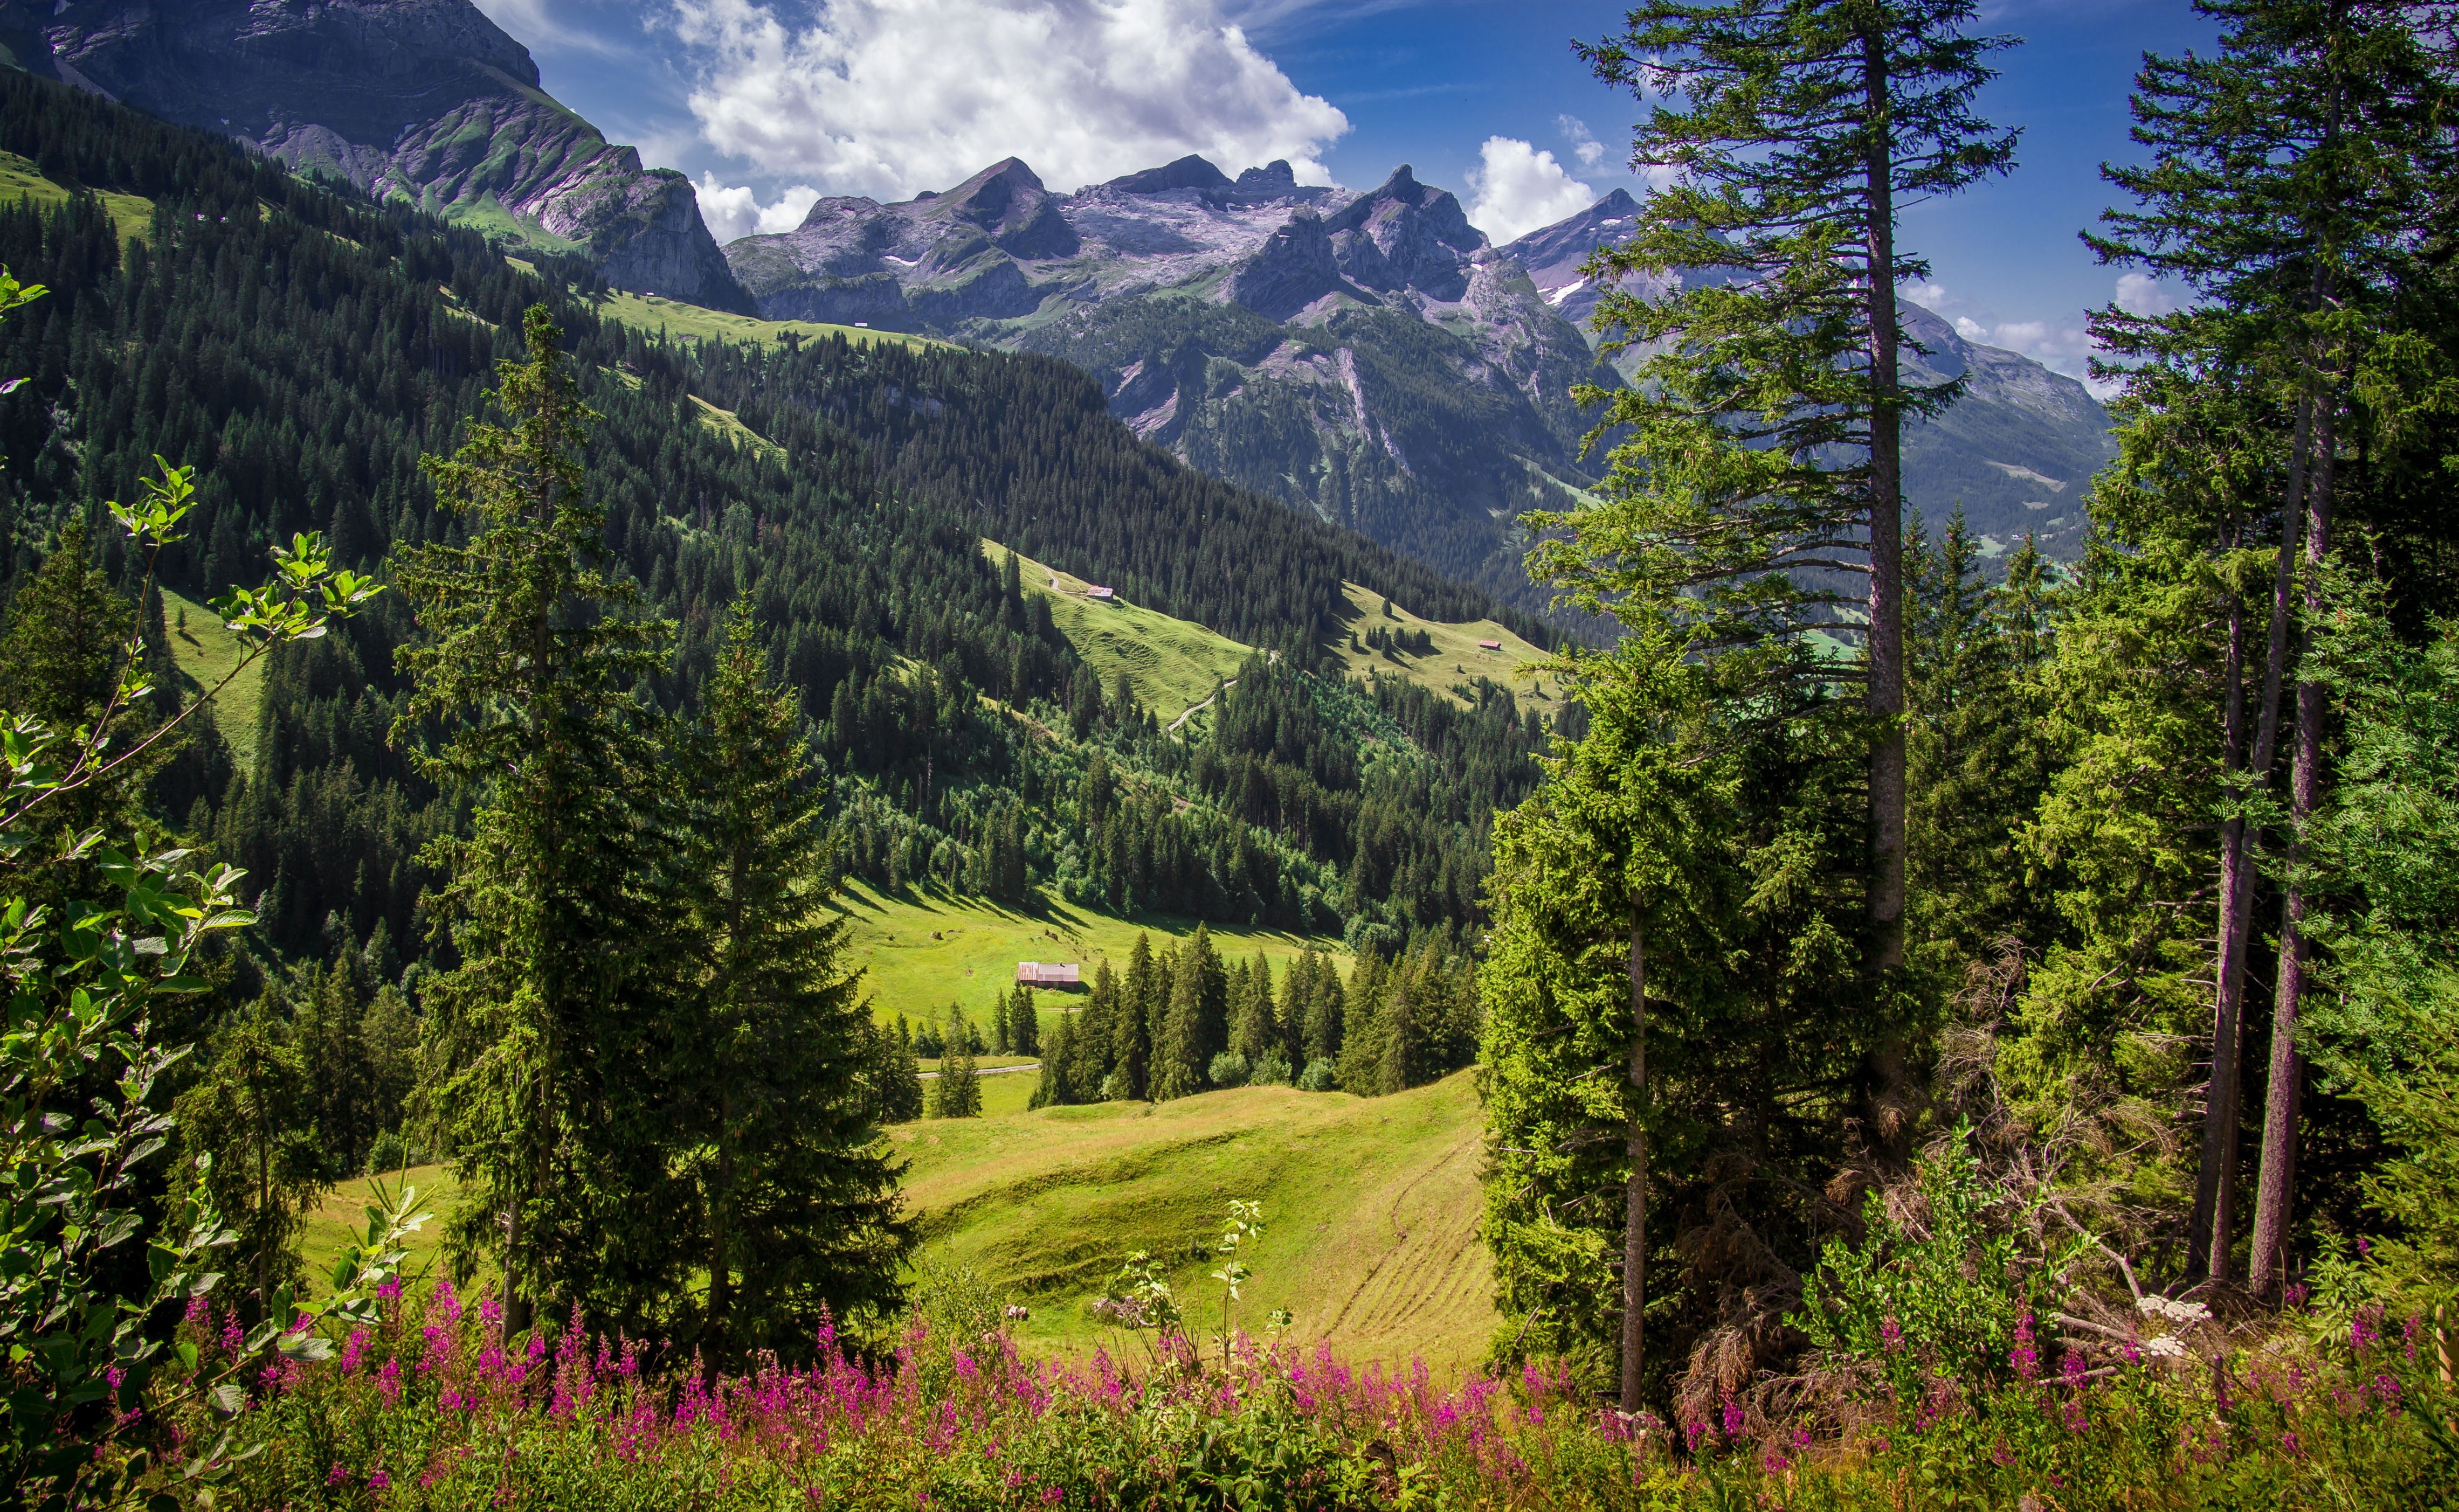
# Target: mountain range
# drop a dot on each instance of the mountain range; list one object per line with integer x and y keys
{"x": 423, "y": 100}
{"x": 1370, "y": 357}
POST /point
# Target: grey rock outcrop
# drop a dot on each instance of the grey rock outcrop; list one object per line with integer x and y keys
{"x": 1370, "y": 357}
{"x": 423, "y": 100}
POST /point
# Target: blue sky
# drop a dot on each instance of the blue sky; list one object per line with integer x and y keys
{"x": 766, "y": 102}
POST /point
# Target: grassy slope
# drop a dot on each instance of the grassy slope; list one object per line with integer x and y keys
{"x": 1455, "y": 658}
{"x": 973, "y": 959}
{"x": 652, "y": 312}
{"x": 1370, "y": 1205}
{"x": 206, "y": 653}
{"x": 1173, "y": 664}
{"x": 132, "y": 214}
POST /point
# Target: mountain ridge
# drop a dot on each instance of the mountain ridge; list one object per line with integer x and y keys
{"x": 427, "y": 101}
{"x": 1367, "y": 355}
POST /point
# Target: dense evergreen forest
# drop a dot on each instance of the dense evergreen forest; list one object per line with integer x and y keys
{"x": 301, "y": 349}
{"x": 2102, "y": 915}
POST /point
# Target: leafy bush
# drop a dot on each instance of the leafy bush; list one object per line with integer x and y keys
{"x": 1942, "y": 1287}
{"x": 1319, "y": 1075}
{"x": 1228, "y": 1069}
{"x": 1271, "y": 1071}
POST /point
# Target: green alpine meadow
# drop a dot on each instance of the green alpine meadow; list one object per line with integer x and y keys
{"x": 961, "y": 792}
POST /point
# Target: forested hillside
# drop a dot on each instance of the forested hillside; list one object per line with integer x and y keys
{"x": 301, "y": 349}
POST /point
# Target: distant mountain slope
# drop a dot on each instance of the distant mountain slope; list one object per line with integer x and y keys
{"x": 423, "y": 100}
{"x": 2014, "y": 451}
{"x": 1371, "y": 356}
{"x": 1364, "y": 356}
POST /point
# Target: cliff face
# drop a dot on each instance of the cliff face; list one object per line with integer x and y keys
{"x": 1370, "y": 357}
{"x": 425, "y": 101}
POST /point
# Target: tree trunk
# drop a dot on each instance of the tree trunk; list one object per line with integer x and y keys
{"x": 1885, "y": 630}
{"x": 2268, "y": 1271}
{"x": 1634, "y": 1242}
{"x": 2227, "y": 1035}
{"x": 2207, "y": 1237}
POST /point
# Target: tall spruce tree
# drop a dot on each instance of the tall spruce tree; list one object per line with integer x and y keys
{"x": 2291, "y": 172}
{"x": 796, "y": 1195}
{"x": 521, "y": 697}
{"x": 1131, "y": 1030}
{"x": 1763, "y": 468}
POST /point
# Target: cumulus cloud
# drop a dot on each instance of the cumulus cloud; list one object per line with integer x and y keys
{"x": 1586, "y": 147}
{"x": 737, "y": 211}
{"x": 887, "y": 97}
{"x": 1516, "y": 188}
{"x": 2141, "y": 294}
{"x": 1932, "y": 296}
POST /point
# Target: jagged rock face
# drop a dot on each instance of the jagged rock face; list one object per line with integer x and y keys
{"x": 1360, "y": 355}
{"x": 426, "y": 101}
{"x": 2014, "y": 452}
{"x": 1367, "y": 356}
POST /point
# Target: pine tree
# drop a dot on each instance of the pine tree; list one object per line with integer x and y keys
{"x": 1056, "y": 1086}
{"x": 894, "y": 1073}
{"x": 795, "y": 1192}
{"x": 59, "y": 655}
{"x": 1763, "y": 467}
{"x": 957, "y": 1092}
{"x": 1024, "y": 1023}
{"x": 1131, "y": 1031}
{"x": 1178, "y": 1058}
{"x": 2290, "y": 175}
{"x": 253, "y": 1110}
{"x": 522, "y": 691}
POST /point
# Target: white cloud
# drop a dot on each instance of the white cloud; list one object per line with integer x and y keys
{"x": 2141, "y": 294}
{"x": 1587, "y": 148}
{"x": 1931, "y": 296}
{"x": 2060, "y": 346}
{"x": 737, "y": 212}
{"x": 890, "y": 96}
{"x": 1518, "y": 188}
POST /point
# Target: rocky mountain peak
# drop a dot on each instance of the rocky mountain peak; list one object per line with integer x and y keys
{"x": 422, "y": 100}
{"x": 1274, "y": 180}
{"x": 1190, "y": 171}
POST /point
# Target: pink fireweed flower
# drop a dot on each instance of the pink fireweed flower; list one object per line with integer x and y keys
{"x": 2365, "y": 1329}
{"x": 353, "y": 1351}
{"x": 2289, "y": 1445}
{"x": 377, "y": 1479}
{"x": 1733, "y": 1417}
{"x": 388, "y": 1383}
{"x": 1891, "y": 1334}
{"x": 337, "y": 1475}
{"x": 2024, "y": 1356}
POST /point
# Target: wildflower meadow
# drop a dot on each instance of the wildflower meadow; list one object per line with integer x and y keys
{"x": 430, "y": 1406}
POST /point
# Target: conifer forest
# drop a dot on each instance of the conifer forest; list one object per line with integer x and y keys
{"x": 538, "y": 846}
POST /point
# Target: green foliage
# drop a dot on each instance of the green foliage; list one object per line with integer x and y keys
{"x": 957, "y": 1092}
{"x": 254, "y": 1110}
{"x": 768, "y": 1120}
{"x": 1946, "y": 1284}
{"x": 81, "y": 1322}
{"x": 523, "y": 690}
